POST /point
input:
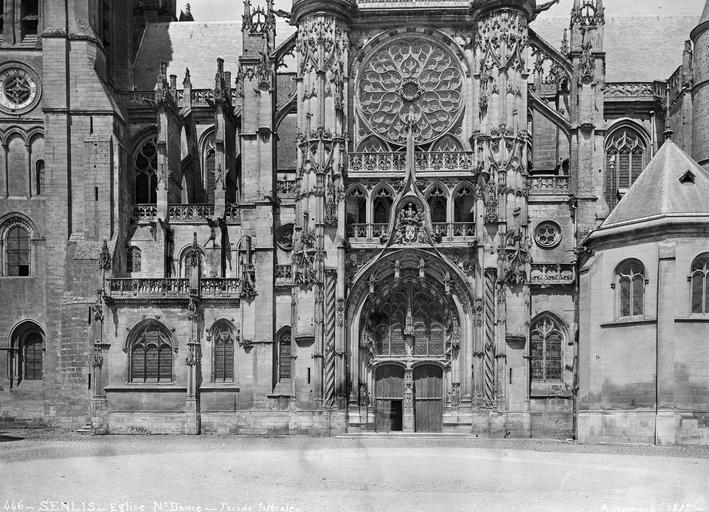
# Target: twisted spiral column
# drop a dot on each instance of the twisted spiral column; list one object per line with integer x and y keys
{"x": 489, "y": 325}
{"x": 330, "y": 312}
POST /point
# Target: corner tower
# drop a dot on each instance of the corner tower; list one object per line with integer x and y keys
{"x": 318, "y": 237}
{"x": 700, "y": 90}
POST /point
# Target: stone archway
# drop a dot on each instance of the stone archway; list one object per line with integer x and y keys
{"x": 415, "y": 312}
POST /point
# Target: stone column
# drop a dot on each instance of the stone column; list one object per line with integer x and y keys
{"x": 502, "y": 142}
{"x": 587, "y": 123}
{"x": 408, "y": 420}
{"x": 322, "y": 96}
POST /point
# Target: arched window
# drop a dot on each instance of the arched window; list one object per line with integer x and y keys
{"x": 464, "y": 204}
{"x": 39, "y": 176}
{"x": 209, "y": 167}
{"x": 284, "y": 354}
{"x": 26, "y": 353}
{"x": 546, "y": 342}
{"x": 151, "y": 354}
{"x": 631, "y": 286}
{"x": 625, "y": 160}
{"x": 133, "y": 260}
{"x": 186, "y": 263}
{"x": 373, "y": 144}
{"x": 145, "y": 162}
{"x": 17, "y": 251}
{"x": 438, "y": 204}
{"x": 223, "y": 335}
{"x": 700, "y": 284}
{"x": 357, "y": 207}
{"x": 381, "y": 209}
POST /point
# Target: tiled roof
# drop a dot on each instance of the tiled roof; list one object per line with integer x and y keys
{"x": 638, "y": 49}
{"x": 659, "y": 191}
{"x": 193, "y": 45}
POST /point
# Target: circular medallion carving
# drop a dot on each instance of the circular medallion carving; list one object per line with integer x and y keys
{"x": 19, "y": 88}
{"x": 411, "y": 76}
{"x": 547, "y": 234}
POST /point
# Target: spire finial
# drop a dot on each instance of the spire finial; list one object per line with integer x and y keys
{"x": 668, "y": 122}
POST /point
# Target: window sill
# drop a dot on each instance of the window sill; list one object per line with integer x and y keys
{"x": 631, "y": 320}
{"x": 544, "y": 390}
{"x": 696, "y": 317}
{"x": 221, "y": 386}
{"x": 148, "y": 386}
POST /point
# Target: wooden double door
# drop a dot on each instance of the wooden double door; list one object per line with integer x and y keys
{"x": 427, "y": 403}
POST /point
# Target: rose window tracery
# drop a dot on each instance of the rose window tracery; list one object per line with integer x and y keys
{"x": 411, "y": 76}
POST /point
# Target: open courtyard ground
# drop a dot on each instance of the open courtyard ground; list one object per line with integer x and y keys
{"x": 72, "y": 473}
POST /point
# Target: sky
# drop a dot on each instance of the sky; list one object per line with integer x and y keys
{"x": 227, "y": 10}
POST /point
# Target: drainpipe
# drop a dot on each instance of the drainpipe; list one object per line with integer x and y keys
{"x": 657, "y": 343}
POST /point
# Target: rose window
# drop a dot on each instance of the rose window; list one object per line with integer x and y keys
{"x": 411, "y": 77}
{"x": 547, "y": 235}
{"x": 18, "y": 89}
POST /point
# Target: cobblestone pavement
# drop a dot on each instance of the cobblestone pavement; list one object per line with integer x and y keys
{"x": 52, "y": 472}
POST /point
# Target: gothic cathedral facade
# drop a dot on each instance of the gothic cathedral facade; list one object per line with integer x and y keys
{"x": 356, "y": 216}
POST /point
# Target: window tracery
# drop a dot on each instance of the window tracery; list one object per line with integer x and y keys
{"x": 547, "y": 234}
{"x": 464, "y": 204}
{"x": 415, "y": 76}
{"x": 356, "y": 206}
{"x": 381, "y": 208}
{"x": 631, "y": 283}
{"x": 223, "y": 335}
{"x": 625, "y": 160}
{"x": 151, "y": 354}
{"x": 700, "y": 284}
{"x": 438, "y": 205}
{"x": 145, "y": 164}
{"x": 397, "y": 317}
{"x": 546, "y": 342}
{"x": 284, "y": 354}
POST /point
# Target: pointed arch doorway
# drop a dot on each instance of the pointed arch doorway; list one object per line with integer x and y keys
{"x": 411, "y": 326}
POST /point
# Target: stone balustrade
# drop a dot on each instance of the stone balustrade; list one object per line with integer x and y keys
{"x": 549, "y": 185}
{"x": 284, "y": 274}
{"x": 451, "y": 231}
{"x": 232, "y": 214}
{"x": 170, "y": 288}
{"x": 286, "y": 189}
{"x": 145, "y": 212}
{"x": 553, "y": 273}
{"x": 426, "y": 161}
{"x": 220, "y": 287}
{"x": 148, "y": 287}
{"x": 186, "y": 213}
{"x": 190, "y": 212}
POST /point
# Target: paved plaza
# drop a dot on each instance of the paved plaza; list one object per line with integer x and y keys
{"x": 72, "y": 473}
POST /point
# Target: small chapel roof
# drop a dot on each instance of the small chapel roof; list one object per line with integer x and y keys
{"x": 672, "y": 185}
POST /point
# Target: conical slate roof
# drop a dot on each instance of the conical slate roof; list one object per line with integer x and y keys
{"x": 672, "y": 184}
{"x": 705, "y": 14}
{"x": 700, "y": 28}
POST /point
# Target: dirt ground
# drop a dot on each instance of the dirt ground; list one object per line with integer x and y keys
{"x": 72, "y": 473}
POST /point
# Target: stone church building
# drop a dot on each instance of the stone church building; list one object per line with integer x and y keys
{"x": 355, "y": 216}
